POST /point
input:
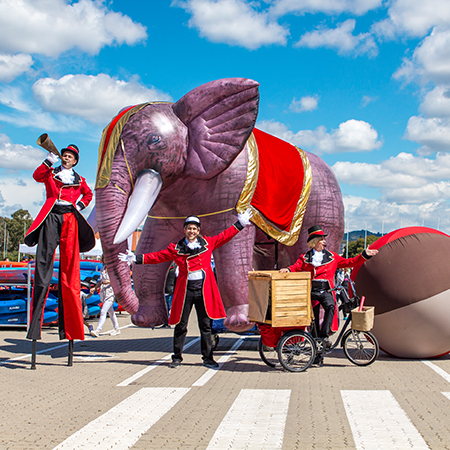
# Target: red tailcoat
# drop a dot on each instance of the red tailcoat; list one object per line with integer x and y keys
{"x": 326, "y": 271}
{"x": 57, "y": 190}
{"x": 188, "y": 262}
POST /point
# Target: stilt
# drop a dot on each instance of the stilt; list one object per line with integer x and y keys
{"x": 33, "y": 355}
{"x": 70, "y": 359}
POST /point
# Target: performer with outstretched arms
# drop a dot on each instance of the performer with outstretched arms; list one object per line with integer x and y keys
{"x": 322, "y": 264}
{"x": 60, "y": 223}
{"x": 196, "y": 284}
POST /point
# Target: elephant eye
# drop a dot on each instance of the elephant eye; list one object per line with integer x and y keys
{"x": 153, "y": 139}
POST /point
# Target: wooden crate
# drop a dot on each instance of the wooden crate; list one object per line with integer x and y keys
{"x": 280, "y": 299}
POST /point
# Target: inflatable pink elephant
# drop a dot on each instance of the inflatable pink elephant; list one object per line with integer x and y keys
{"x": 170, "y": 160}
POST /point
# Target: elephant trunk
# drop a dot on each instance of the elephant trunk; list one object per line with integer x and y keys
{"x": 111, "y": 204}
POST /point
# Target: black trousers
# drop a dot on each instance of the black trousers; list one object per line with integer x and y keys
{"x": 326, "y": 300}
{"x": 194, "y": 297}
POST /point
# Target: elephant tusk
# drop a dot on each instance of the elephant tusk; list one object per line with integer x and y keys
{"x": 146, "y": 190}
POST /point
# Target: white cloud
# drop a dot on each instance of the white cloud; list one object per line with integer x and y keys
{"x": 11, "y": 66}
{"x": 19, "y": 157}
{"x": 52, "y": 27}
{"x": 340, "y": 38}
{"x": 234, "y": 22}
{"x": 351, "y": 136}
{"x": 17, "y": 194}
{"x": 332, "y": 7}
{"x": 436, "y": 102}
{"x": 432, "y": 133}
{"x": 366, "y": 100}
{"x": 405, "y": 178}
{"x": 93, "y": 98}
{"x": 387, "y": 216}
{"x": 26, "y": 114}
{"x": 431, "y": 59}
{"x": 413, "y": 18}
{"x": 308, "y": 103}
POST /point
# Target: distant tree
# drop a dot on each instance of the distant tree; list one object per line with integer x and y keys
{"x": 16, "y": 227}
{"x": 356, "y": 247}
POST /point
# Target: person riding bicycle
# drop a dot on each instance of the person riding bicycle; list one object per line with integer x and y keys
{"x": 322, "y": 264}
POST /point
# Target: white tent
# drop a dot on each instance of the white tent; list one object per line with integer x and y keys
{"x": 96, "y": 251}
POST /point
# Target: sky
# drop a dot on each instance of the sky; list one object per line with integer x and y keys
{"x": 364, "y": 84}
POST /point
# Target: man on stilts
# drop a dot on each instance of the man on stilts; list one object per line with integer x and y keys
{"x": 60, "y": 223}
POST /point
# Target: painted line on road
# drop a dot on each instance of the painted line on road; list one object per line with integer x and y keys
{"x": 28, "y": 355}
{"x": 211, "y": 372}
{"x": 255, "y": 421}
{"x": 438, "y": 370}
{"x": 378, "y": 422}
{"x": 447, "y": 394}
{"x": 154, "y": 365}
{"x": 122, "y": 426}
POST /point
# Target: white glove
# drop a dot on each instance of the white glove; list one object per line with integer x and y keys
{"x": 244, "y": 218}
{"x": 128, "y": 257}
{"x": 52, "y": 158}
{"x": 78, "y": 207}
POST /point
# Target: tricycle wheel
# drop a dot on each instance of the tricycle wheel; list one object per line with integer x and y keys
{"x": 268, "y": 354}
{"x": 296, "y": 351}
{"x": 360, "y": 347}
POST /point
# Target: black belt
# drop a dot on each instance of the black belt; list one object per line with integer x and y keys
{"x": 62, "y": 209}
{"x": 317, "y": 285}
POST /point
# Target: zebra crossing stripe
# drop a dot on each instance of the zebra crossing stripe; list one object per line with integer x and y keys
{"x": 255, "y": 421}
{"x": 211, "y": 372}
{"x": 152, "y": 366}
{"x": 438, "y": 370}
{"x": 447, "y": 394}
{"x": 122, "y": 426}
{"x": 378, "y": 422}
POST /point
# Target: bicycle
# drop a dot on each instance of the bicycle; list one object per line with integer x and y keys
{"x": 297, "y": 350}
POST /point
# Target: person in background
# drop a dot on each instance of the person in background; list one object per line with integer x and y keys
{"x": 107, "y": 297}
{"x": 89, "y": 284}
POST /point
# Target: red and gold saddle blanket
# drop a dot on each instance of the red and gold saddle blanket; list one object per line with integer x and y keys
{"x": 277, "y": 187}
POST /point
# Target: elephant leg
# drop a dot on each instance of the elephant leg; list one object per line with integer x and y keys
{"x": 149, "y": 279}
{"x": 233, "y": 262}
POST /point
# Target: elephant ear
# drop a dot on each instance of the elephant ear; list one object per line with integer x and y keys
{"x": 220, "y": 117}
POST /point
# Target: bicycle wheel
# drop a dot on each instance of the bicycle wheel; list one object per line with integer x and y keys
{"x": 360, "y": 347}
{"x": 296, "y": 351}
{"x": 268, "y": 354}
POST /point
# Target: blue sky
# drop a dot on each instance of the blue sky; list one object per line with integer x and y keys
{"x": 365, "y": 84}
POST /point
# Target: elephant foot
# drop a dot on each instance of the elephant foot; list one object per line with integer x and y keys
{"x": 149, "y": 317}
{"x": 237, "y": 318}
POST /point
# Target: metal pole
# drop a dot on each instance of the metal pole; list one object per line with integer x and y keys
{"x": 346, "y": 248}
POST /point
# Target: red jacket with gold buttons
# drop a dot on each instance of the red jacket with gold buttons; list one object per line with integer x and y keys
{"x": 191, "y": 261}
{"x": 57, "y": 190}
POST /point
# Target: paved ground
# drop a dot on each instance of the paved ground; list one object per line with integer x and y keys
{"x": 121, "y": 394}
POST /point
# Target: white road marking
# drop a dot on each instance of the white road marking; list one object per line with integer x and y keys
{"x": 211, "y": 372}
{"x": 122, "y": 426}
{"x": 438, "y": 370}
{"x": 28, "y": 355}
{"x": 378, "y": 422}
{"x": 255, "y": 421}
{"x": 447, "y": 394}
{"x": 154, "y": 365}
